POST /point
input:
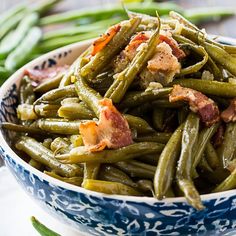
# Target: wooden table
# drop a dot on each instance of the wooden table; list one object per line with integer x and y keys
{"x": 226, "y": 27}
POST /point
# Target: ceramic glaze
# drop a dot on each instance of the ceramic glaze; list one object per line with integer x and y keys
{"x": 100, "y": 214}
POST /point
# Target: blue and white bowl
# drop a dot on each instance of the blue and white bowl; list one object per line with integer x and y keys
{"x": 100, "y": 214}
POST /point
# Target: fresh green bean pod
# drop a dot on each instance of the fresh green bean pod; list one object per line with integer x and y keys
{"x": 110, "y": 187}
{"x": 166, "y": 165}
{"x": 137, "y": 169}
{"x": 228, "y": 146}
{"x": 123, "y": 80}
{"x": 212, "y": 156}
{"x": 104, "y": 57}
{"x": 58, "y": 126}
{"x": 184, "y": 167}
{"x": 11, "y": 23}
{"x": 76, "y": 180}
{"x": 18, "y": 56}
{"x": 55, "y": 94}
{"x": 133, "y": 99}
{"x": 45, "y": 156}
{"x": 81, "y": 154}
{"x": 89, "y": 96}
{"x": 18, "y": 35}
{"x": 139, "y": 124}
{"x": 217, "y": 88}
{"x": 42, "y": 229}
{"x": 154, "y": 137}
{"x": 112, "y": 174}
{"x": 44, "y": 6}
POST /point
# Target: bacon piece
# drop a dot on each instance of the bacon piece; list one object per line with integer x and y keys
{"x": 104, "y": 39}
{"x": 111, "y": 131}
{"x": 229, "y": 115}
{"x": 177, "y": 52}
{"x": 41, "y": 75}
{"x": 198, "y": 102}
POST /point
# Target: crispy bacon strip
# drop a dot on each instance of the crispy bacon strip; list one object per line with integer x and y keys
{"x": 177, "y": 52}
{"x": 229, "y": 115}
{"x": 102, "y": 41}
{"x": 40, "y": 75}
{"x": 198, "y": 102}
{"x": 111, "y": 131}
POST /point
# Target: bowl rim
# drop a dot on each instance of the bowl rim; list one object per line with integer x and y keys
{"x": 77, "y": 189}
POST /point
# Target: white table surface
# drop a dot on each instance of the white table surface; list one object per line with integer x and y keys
{"x": 16, "y": 208}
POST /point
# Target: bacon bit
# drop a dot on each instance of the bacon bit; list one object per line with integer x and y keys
{"x": 229, "y": 115}
{"x": 111, "y": 131}
{"x": 104, "y": 39}
{"x": 164, "y": 60}
{"x": 218, "y": 137}
{"x": 177, "y": 52}
{"x": 41, "y": 75}
{"x": 198, "y": 102}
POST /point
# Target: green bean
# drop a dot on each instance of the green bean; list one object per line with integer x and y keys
{"x": 47, "y": 142}
{"x": 112, "y": 174}
{"x": 77, "y": 30}
{"x": 158, "y": 118}
{"x": 10, "y": 23}
{"x": 58, "y": 126}
{"x": 49, "y": 84}
{"x": 216, "y": 71}
{"x": 133, "y": 99}
{"x": 110, "y": 187}
{"x": 26, "y": 93}
{"x": 145, "y": 185}
{"x": 140, "y": 110}
{"x": 104, "y": 57}
{"x": 203, "y": 165}
{"x": 137, "y": 169}
{"x": 76, "y": 180}
{"x": 139, "y": 124}
{"x": 52, "y": 44}
{"x": 149, "y": 159}
{"x": 60, "y": 144}
{"x": 90, "y": 171}
{"x": 203, "y": 138}
{"x": 166, "y": 165}
{"x": 42, "y": 229}
{"x": 155, "y": 137}
{"x": 228, "y": 146}
{"x": 81, "y": 154}
{"x": 221, "y": 89}
{"x": 220, "y": 56}
{"x": 55, "y": 94}
{"x": 196, "y": 67}
{"x": 45, "y": 156}
{"x": 46, "y": 110}
{"x": 123, "y": 80}
{"x": 212, "y": 156}
{"x": 18, "y": 35}
{"x": 183, "y": 172}
{"x": 227, "y": 184}
{"x": 165, "y": 103}
{"x": 35, "y": 164}
{"x": 182, "y": 114}
{"x": 89, "y": 96}
{"x": 73, "y": 111}
{"x": 17, "y": 57}
{"x": 44, "y": 6}
{"x": 22, "y": 128}
{"x": 163, "y": 9}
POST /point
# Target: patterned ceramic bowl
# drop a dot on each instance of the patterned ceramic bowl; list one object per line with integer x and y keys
{"x": 101, "y": 214}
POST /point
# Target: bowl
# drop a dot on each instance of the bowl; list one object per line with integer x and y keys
{"x": 100, "y": 214}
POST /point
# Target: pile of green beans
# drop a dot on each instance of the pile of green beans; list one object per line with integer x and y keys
{"x": 172, "y": 151}
{"x": 25, "y": 35}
